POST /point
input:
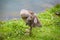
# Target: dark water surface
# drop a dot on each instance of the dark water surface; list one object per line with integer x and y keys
{"x": 10, "y": 8}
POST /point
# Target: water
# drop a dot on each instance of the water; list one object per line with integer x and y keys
{"x": 11, "y": 8}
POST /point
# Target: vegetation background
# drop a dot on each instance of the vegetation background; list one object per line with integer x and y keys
{"x": 50, "y": 30}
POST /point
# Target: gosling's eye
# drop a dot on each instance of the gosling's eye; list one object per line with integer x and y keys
{"x": 24, "y": 17}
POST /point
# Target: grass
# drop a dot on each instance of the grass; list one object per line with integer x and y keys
{"x": 15, "y": 29}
